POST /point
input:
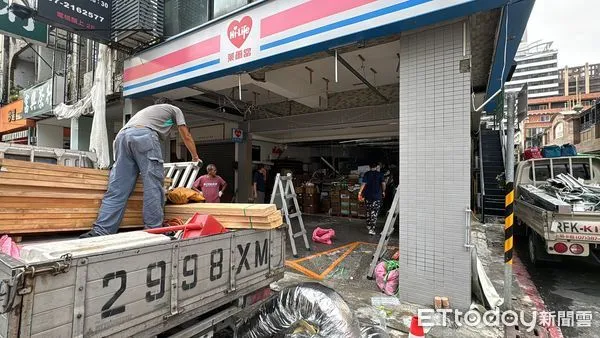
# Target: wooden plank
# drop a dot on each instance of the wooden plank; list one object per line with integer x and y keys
{"x": 52, "y": 192}
{"x": 73, "y": 221}
{"x": 65, "y": 214}
{"x": 231, "y": 209}
{"x": 50, "y": 172}
{"x": 64, "y": 185}
{"x": 56, "y": 181}
{"x": 25, "y": 202}
{"x": 242, "y": 225}
{"x": 275, "y": 217}
{"x": 28, "y": 227}
{"x": 38, "y": 165}
{"x": 47, "y": 178}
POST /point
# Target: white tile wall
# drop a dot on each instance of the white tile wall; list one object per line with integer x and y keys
{"x": 434, "y": 167}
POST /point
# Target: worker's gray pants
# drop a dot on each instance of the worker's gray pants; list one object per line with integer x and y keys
{"x": 137, "y": 151}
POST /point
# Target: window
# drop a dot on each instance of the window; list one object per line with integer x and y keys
{"x": 545, "y": 118}
{"x": 542, "y": 171}
{"x": 559, "y": 130}
{"x": 182, "y": 15}
{"x": 222, "y": 7}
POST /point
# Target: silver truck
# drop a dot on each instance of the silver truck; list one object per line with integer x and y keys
{"x": 136, "y": 284}
{"x": 133, "y": 284}
{"x": 554, "y": 226}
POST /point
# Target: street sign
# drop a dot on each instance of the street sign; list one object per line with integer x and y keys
{"x": 237, "y": 135}
{"x": 37, "y": 100}
{"x": 522, "y": 105}
{"x": 89, "y": 18}
{"x": 28, "y": 29}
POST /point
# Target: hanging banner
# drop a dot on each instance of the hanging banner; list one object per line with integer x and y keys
{"x": 14, "y": 26}
{"x": 37, "y": 100}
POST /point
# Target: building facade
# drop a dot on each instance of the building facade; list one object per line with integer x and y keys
{"x": 583, "y": 79}
{"x": 537, "y": 66}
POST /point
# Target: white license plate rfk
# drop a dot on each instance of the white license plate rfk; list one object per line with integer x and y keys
{"x": 577, "y": 228}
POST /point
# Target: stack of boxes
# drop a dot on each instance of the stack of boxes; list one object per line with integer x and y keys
{"x": 345, "y": 202}
{"x": 311, "y": 199}
{"x": 334, "y": 199}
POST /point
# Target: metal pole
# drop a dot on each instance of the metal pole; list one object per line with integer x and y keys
{"x": 509, "y": 199}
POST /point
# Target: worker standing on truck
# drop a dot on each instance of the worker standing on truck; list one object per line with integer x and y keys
{"x": 137, "y": 150}
{"x": 210, "y": 185}
{"x": 372, "y": 191}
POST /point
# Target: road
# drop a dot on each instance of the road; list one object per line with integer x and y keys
{"x": 569, "y": 286}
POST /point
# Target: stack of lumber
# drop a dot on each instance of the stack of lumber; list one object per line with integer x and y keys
{"x": 38, "y": 197}
{"x": 230, "y": 215}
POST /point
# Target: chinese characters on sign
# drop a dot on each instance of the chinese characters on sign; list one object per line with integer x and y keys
{"x": 240, "y": 54}
{"x": 37, "y": 100}
{"x": 14, "y": 116}
{"x": 90, "y": 18}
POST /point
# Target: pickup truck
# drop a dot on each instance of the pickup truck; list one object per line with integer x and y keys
{"x": 555, "y": 228}
{"x": 133, "y": 284}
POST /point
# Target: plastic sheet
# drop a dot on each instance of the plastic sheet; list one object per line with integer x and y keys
{"x": 313, "y": 303}
{"x": 96, "y": 99}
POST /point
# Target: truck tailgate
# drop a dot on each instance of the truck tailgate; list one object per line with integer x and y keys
{"x": 577, "y": 226}
{"x": 145, "y": 290}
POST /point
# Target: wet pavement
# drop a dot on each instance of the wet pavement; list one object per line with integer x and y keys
{"x": 573, "y": 285}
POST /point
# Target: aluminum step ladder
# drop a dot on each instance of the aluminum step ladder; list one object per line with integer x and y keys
{"x": 388, "y": 229}
{"x": 280, "y": 197}
{"x": 183, "y": 174}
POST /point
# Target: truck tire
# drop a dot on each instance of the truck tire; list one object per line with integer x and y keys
{"x": 534, "y": 245}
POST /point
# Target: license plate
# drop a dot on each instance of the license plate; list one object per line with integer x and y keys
{"x": 578, "y": 237}
{"x": 581, "y": 228}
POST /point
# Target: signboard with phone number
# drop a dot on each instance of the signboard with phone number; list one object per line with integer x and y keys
{"x": 89, "y": 18}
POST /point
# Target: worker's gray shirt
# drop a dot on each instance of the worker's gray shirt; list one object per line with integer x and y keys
{"x": 159, "y": 117}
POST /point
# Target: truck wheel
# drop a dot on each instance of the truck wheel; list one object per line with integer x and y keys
{"x": 533, "y": 247}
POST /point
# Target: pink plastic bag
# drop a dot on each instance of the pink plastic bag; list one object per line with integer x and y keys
{"x": 323, "y": 235}
{"x": 386, "y": 281}
{"x": 9, "y": 247}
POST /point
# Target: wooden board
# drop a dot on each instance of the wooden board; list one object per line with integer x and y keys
{"x": 27, "y": 226}
{"x": 62, "y": 203}
{"x": 54, "y": 167}
{"x": 42, "y": 193}
{"x": 242, "y": 225}
{"x": 230, "y": 209}
{"x": 275, "y": 217}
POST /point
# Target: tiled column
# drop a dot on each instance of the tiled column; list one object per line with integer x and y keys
{"x": 434, "y": 166}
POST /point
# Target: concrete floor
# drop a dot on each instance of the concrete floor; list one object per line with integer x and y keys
{"x": 348, "y": 278}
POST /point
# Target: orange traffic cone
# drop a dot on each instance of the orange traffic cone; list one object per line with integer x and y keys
{"x": 416, "y": 331}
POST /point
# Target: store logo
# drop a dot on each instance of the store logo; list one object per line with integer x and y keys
{"x": 238, "y": 31}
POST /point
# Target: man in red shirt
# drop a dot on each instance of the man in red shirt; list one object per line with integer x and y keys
{"x": 211, "y": 185}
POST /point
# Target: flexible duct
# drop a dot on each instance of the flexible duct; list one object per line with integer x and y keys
{"x": 309, "y": 303}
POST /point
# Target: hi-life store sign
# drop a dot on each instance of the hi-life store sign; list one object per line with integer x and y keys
{"x": 275, "y": 31}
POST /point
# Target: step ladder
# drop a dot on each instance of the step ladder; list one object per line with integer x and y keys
{"x": 183, "y": 174}
{"x": 388, "y": 229}
{"x": 283, "y": 191}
